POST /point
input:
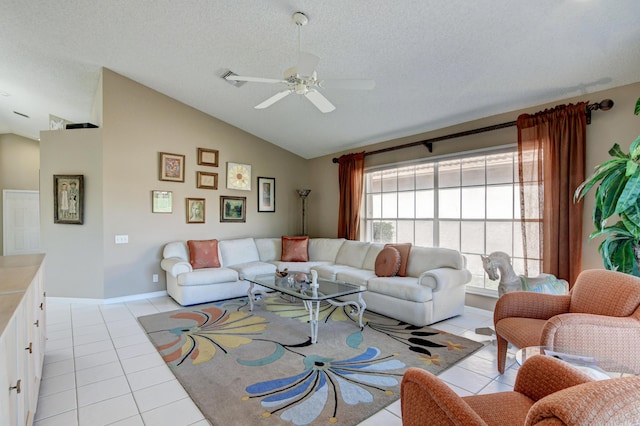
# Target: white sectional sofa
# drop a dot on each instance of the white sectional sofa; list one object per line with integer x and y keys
{"x": 432, "y": 290}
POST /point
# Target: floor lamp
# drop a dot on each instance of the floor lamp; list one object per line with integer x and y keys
{"x": 303, "y": 193}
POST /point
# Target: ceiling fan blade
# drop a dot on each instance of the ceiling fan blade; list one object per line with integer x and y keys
{"x": 273, "y": 99}
{"x": 254, "y": 79}
{"x": 354, "y": 84}
{"x": 307, "y": 63}
{"x": 319, "y": 101}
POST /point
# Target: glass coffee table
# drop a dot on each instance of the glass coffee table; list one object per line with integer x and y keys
{"x": 596, "y": 366}
{"x": 311, "y": 296}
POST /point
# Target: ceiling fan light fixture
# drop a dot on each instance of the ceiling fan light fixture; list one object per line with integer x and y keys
{"x": 300, "y": 19}
{"x": 301, "y": 88}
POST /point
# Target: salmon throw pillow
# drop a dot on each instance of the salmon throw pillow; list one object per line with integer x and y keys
{"x": 387, "y": 262}
{"x": 295, "y": 249}
{"x": 404, "y": 250}
{"x": 203, "y": 254}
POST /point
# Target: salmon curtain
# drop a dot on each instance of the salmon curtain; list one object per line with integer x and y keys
{"x": 351, "y": 180}
{"x": 551, "y": 165}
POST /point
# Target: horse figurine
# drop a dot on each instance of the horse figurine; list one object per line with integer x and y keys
{"x": 498, "y": 266}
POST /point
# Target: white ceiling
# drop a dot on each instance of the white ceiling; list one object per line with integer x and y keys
{"x": 435, "y": 63}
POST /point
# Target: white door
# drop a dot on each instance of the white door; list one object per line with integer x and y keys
{"x": 21, "y": 222}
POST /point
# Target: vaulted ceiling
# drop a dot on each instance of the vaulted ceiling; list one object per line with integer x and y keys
{"x": 434, "y": 63}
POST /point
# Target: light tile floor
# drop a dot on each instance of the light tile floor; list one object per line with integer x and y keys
{"x": 100, "y": 368}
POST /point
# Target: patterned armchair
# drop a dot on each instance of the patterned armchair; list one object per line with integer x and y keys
{"x": 547, "y": 392}
{"x": 600, "y": 315}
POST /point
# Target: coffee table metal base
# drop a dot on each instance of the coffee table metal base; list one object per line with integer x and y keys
{"x": 313, "y": 307}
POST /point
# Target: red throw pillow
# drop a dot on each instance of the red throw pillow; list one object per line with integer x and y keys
{"x": 404, "y": 250}
{"x": 387, "y": 262}
{"x": 203, "y": 254}
{"x": 295, "y": 249}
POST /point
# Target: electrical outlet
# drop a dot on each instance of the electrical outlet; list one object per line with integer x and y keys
{"x": 122, "y": 239}
{"x": 155, "y": 278}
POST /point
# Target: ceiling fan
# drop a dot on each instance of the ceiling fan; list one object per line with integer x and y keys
{"x": 302, "y": 79}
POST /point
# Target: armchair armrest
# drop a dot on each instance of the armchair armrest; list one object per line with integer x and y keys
{"x": 441, "y": 278}
{"x": 588, "y": 331}
{"x": 530, "y": 305}
{"x": 543, "y": 375}
{"x": 425, "y": 399}
{"x": 175, "y": 265}
{"x": 611, "y": 402}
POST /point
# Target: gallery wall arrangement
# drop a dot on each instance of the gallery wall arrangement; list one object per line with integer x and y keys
{"x": 238, "y": 177}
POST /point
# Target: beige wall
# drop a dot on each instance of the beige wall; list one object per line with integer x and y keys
{"x": 19, "y": 167}
{"x": 74, "y": 265}
{"x": 137, "y": 124}
{"x": 120, "y": 163}
{"x": 616, "y": 125}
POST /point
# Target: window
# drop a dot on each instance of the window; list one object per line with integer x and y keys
{"x": 468, "y": 203}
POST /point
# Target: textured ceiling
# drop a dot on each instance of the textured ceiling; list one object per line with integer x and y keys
{"x": 435, "y": 63}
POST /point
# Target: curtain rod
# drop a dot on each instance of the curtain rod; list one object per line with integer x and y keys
{"x": 604, "y": 105}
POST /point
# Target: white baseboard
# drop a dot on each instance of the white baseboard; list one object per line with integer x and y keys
{"x": 123, "y": 299}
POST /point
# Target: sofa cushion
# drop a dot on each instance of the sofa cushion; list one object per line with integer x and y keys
{"x": 203, "y": 254}
{"x": 269, "y": 249}
{"x": 352, "y": 253}
{"x": 369, "y": 262}
{"x": 387, "y": 262}
{"x": 251, "y": 269}
{"x": 235, "y": 252}
{"x": 329, "y": 272}
{"x": 295, "y": 249}
{"x": 207, "y": 276}
{"x": 405, "y": 288}
{"x": 404, "y": 250}
{"x": 355, "y": 276}
{"x": 324, "y": 249}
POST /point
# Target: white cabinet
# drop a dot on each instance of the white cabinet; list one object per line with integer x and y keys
{"x": 22, "y": 337}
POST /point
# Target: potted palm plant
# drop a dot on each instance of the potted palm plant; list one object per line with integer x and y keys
{"x": 617, "y": 183}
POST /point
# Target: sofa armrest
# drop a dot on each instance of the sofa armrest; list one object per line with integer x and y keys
{"x": 443, "y": 278}
{"x": 175, "y": 266}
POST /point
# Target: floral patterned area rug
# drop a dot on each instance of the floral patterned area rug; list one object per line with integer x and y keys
{"x": 260, "y": 368}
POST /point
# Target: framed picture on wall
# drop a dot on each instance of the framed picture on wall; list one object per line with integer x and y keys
{"x": 68, "y": 199}
{"x": 171, "y": 167}
{"x": 266, "y": 194}
{"x": 207, "y": 180}
{"x": 162, "y": 202}
{"x": 233, "y": 209}
{"x": 207, "y": 157}
{"x": 195, "y": 210}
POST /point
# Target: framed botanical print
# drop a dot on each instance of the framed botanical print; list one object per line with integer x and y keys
{"x": 239, "y": 176}
{"x": 266, "y": 194}
{"x": 171, "y": 167}
{"x": 162, "y": 202}
{"x": 207, "y": 157}
{"x": 68, "y": 199}
{"x": 233, "y": 209}
{"x": 207, "y": 180}
{"x": 195, "y": 210}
